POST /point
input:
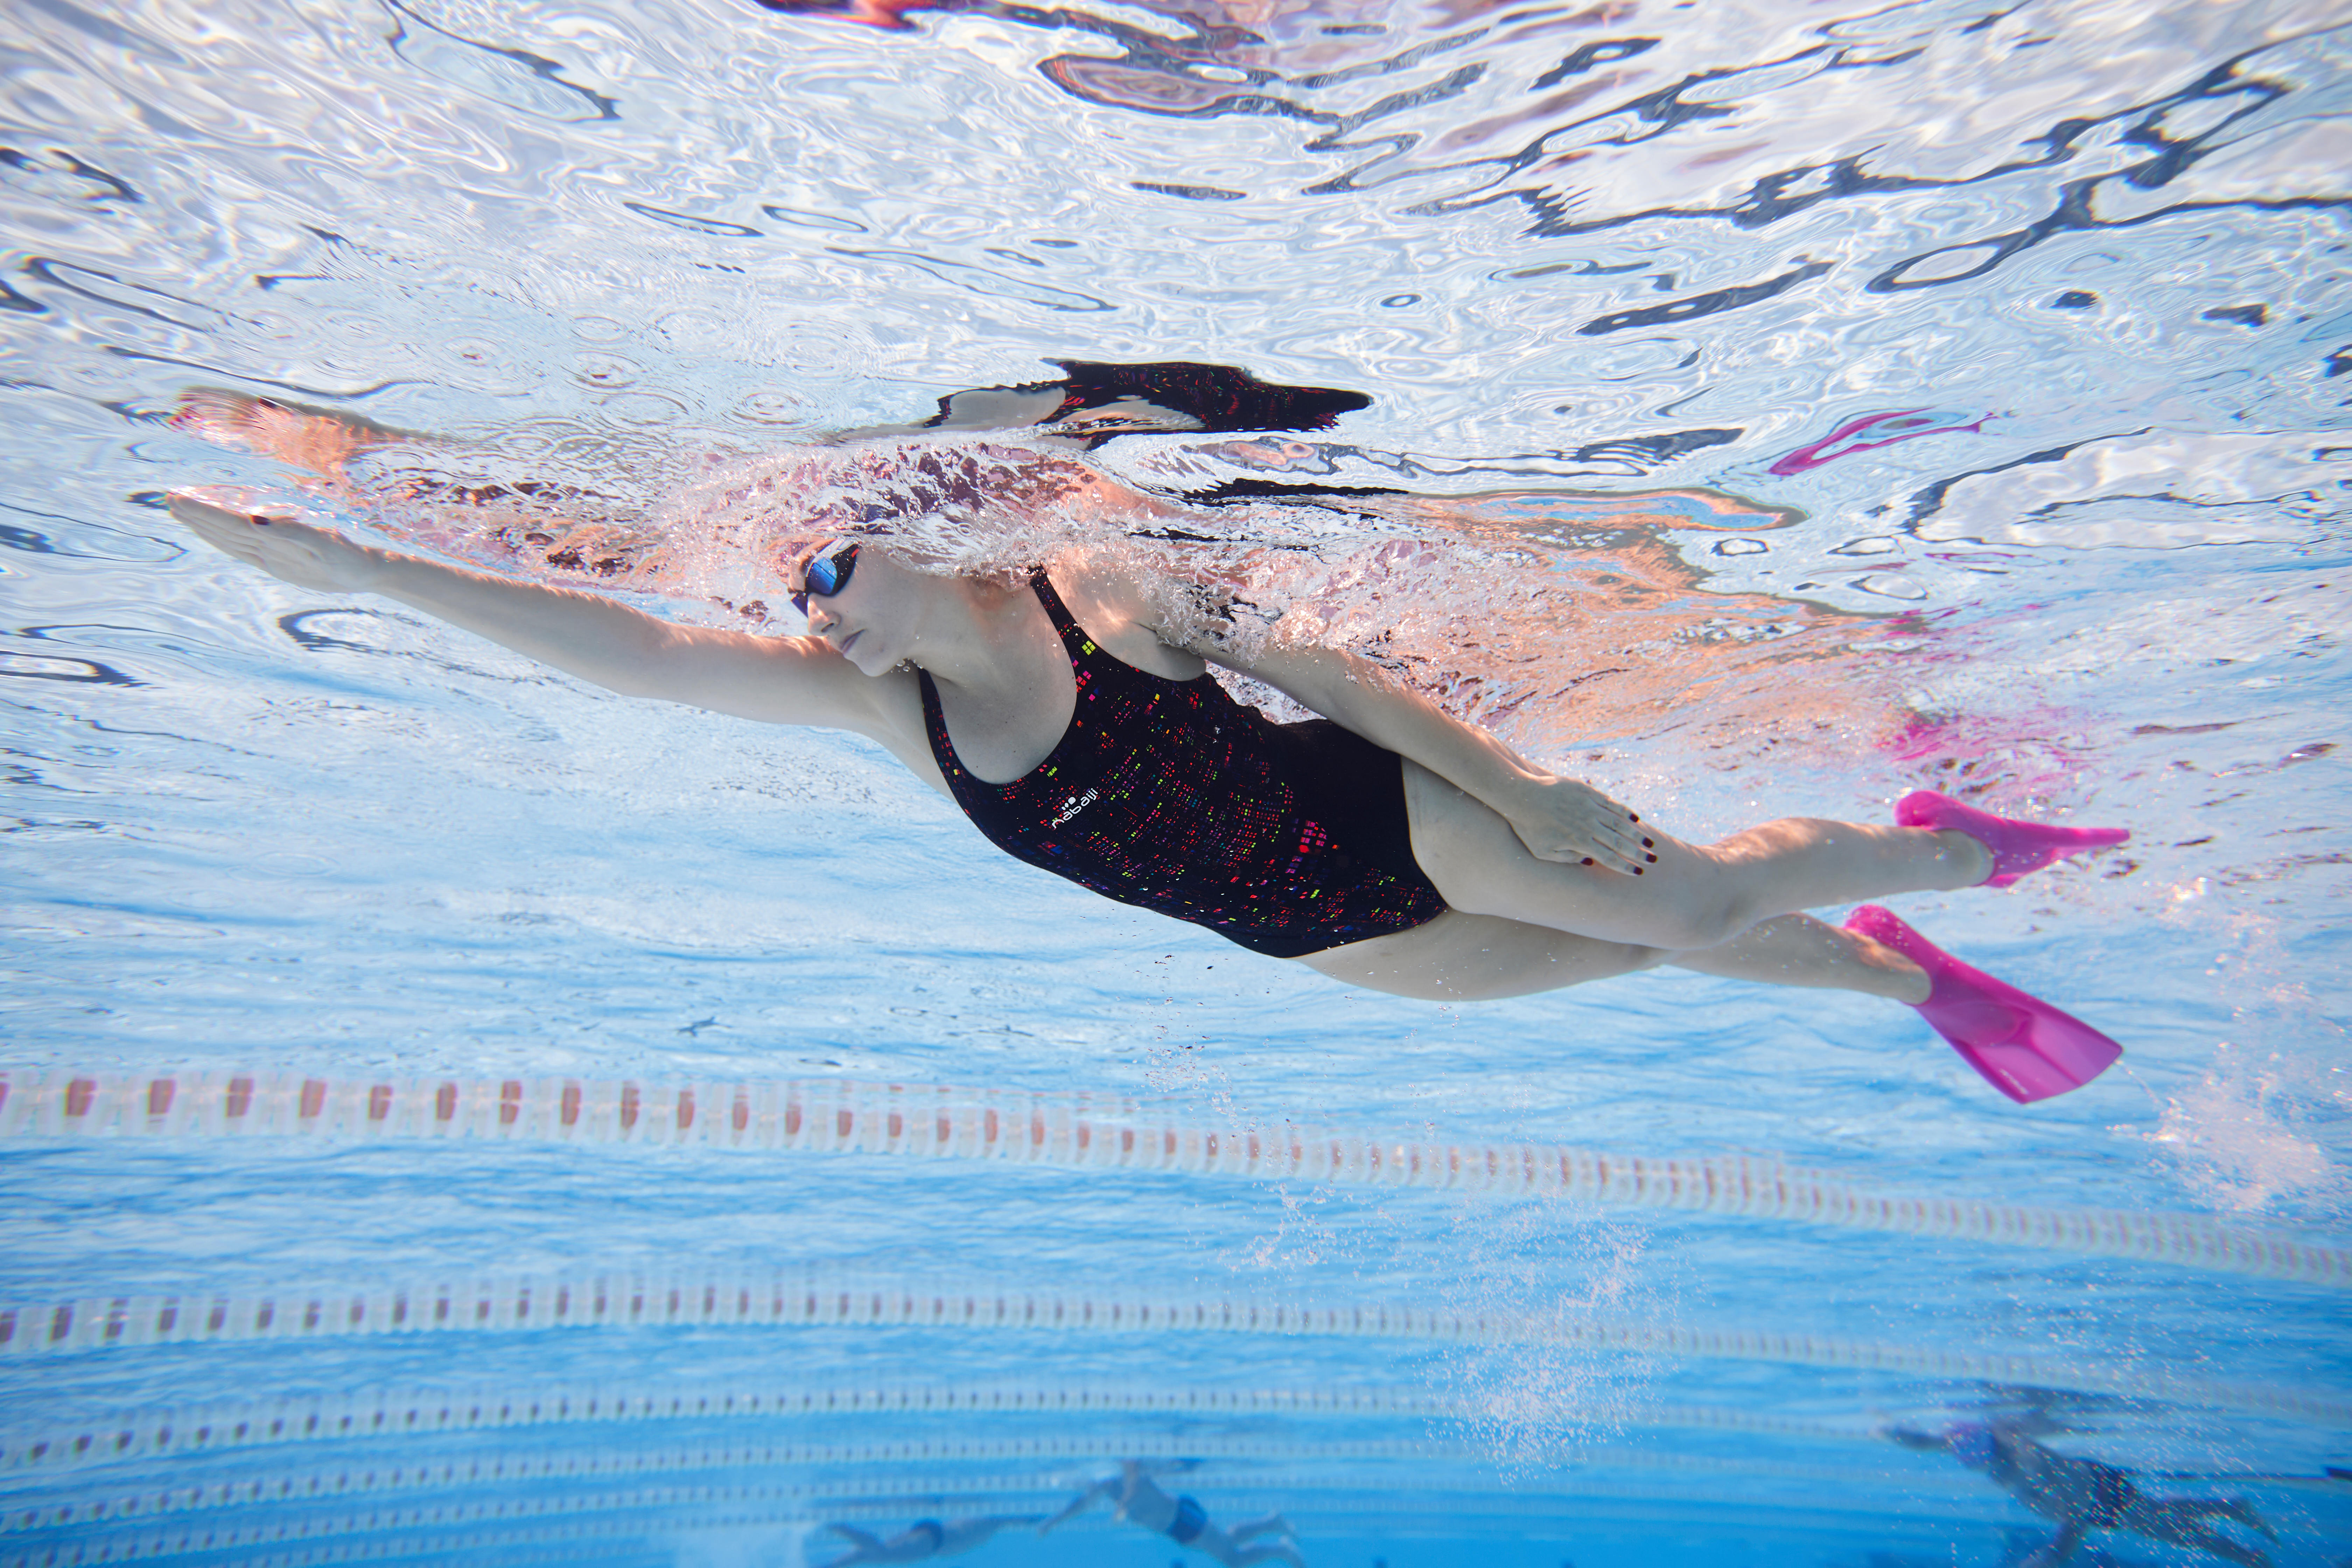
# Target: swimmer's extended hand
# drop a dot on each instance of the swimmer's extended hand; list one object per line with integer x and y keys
{"x": 781, "y": 680}
{"x": 290, "y": 552}
{"x": 1569, "y": 821}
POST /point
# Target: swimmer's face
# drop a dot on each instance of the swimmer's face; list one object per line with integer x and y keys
{"x": 869, "y": 621}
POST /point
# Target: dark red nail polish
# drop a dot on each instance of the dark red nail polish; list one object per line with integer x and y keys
{"x": 1637, "y": 871}
{"x": 1652, "y": 859}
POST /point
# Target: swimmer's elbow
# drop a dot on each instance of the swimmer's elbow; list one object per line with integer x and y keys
{"x": 1322, "y": 678}
{"x": 1341, "y": 686}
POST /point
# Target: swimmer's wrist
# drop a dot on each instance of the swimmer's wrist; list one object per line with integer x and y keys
{"x": 1528, "y": 782}
{"x": 1516, "y": 795}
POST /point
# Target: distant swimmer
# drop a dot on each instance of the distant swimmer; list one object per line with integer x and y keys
{"x": 2083, "y": 1495}
{"x": 1135, "y": 1499}
{"x": 1067, "y": 708}
{"x": 924, "y": 1540}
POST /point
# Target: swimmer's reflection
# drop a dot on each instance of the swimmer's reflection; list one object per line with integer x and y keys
{"x": 1090, "y": 402}
{"x": 1063, "y": 700}
{"x": 1135, "y": 1499}
{"x": 2083, "y": 1495}
{"x": 924, "y": 1541}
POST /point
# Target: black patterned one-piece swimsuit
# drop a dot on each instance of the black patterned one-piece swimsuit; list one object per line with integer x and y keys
{"x": 1169, "y": 795}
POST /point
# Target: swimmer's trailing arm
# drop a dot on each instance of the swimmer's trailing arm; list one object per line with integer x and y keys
{"x": 1557, "y": 818}
{"x": 788, "y": 680}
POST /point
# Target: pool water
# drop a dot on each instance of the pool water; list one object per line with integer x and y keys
{"x": 455, "y": 1113}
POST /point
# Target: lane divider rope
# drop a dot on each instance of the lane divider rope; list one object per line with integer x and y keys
{"x": 719, "y": 1300}
{"x": 1090, "y": 1133}
{"x": 493, "y": 1529}
{"x": 396, "y": 1414}
{"x": 870, "y": 1495}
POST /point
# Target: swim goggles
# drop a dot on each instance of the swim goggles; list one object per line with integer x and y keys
{"x": 824, "y": 576}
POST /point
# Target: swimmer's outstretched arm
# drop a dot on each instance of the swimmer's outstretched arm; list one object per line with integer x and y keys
{"x": 1557, "y": 818}
{"x": 1109, "y": 1488}
{"x": 783, "y": 680}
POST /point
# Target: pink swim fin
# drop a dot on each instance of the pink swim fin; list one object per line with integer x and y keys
{"x": 2017, "y": 846}
{"x": 2024, "y": 1047}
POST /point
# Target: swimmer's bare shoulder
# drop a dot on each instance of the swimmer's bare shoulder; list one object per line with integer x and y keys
{"x": 1124, "y": 611}
{"x": 780, "y": 680}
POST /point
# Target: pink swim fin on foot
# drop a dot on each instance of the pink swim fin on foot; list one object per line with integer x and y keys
{"x": 2017, "y": 846}
{"x": 2024, "y": 1047}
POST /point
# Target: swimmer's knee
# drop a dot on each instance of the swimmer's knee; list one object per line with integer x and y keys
{"x": 1707, "y": 917}
{"x": 1576, "y": 960}
{"x": 1723, "y": 924}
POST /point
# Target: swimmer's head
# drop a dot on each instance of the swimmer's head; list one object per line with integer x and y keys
{"x": 825, "y": 573}
{"x": 796, "y": 551}
{"x": 879, "y": 605}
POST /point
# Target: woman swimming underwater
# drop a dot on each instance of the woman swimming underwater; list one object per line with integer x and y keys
{"x": 1387, "y": 844}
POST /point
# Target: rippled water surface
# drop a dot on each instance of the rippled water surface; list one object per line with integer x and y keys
{"x": 447, "y": 1105}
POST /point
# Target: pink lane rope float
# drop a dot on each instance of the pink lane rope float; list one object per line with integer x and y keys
{"x": 2018, "y": 848}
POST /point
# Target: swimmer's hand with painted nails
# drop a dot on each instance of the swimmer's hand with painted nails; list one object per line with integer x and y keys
{"x": 1569, "y": 821}
{"x": 1556, "y": 819}
{"x": 290, "y": 552}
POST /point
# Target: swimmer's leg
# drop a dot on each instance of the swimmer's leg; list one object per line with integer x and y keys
{"x": 2058, "y": 1550}
{"x": 2022, "y": 1046}
{"x": 1694, "y": 896}
{"x": 1461, "y": 957}
{"x": 1271, "y": 1524}
{"x": 1283, "y": 1551}
{"x": 1798, "y": 950}
{"x": 2179, "y": 1521}
{"x": 2238, "y": 1509}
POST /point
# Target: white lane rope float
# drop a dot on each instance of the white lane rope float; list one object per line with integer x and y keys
{"x": 736, "y": 1300}
{"x": 397, "y": 1416}
{"x": 849, "y": 1480}
{"x": 1087, "y": 1132}
{"x": 495, "y": 1526}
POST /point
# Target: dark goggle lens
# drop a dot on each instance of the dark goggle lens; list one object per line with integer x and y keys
{"x": 824, "y": 577}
